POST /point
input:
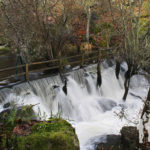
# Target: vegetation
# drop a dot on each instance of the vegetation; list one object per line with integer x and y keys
{"x": 18, "y": 131}
{"x": 49, "y": 29}
{"x": 134, "y": 33}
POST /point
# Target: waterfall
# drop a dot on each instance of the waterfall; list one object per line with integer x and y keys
{"x": 94, "y": 112}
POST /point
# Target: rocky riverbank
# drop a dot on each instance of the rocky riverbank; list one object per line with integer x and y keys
{"x": 128, "y": 140}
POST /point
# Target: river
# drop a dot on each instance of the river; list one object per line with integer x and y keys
{"x": 94, "y": 112}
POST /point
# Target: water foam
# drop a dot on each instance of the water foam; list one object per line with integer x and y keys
{"x": 94, "y": 112}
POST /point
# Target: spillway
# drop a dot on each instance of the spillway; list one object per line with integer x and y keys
{"x": 94, "y": 112}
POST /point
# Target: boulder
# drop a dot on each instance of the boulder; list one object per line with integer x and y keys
{"x": 128, "y": 140}
{"x": 55, "y": 134}
{"x": 113, "y": 142}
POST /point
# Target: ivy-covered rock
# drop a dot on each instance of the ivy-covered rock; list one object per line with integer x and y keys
{"x": 55, "y": 134}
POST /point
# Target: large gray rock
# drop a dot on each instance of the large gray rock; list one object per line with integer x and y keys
{"x": 113, "y": 142}
{"x": 128, "y": 140}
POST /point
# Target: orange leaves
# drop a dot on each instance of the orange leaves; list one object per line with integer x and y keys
{"x": 81, "y": 32}
{"x": 22, "y": 130}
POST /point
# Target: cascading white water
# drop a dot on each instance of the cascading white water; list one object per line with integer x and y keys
{"x": 91, "y": 110}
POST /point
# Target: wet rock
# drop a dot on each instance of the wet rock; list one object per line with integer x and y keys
{"x": 113, "y": 142}
{"x": 86, "y": 74}
{"x": 6, "y": 105}
{"x": 107, "y": 63}
{"x": 55, "y": 86}
{"x": 130, "y": 138}
{"x": 67, "y": 67}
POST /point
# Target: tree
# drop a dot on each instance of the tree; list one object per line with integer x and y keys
{"x": 37, "y": 28}
{"x": 87, "y": 6}
{"x": 144, "y": 124}
{"x": 134, "y": 48}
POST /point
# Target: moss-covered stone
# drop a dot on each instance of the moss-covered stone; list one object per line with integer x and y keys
{"x": 56, "y": 134}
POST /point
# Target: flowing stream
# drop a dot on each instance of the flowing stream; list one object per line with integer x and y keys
{"x": 94, "y": 112}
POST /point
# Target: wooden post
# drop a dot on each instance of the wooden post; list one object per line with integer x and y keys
{"x": 82, "y": 61}
{"x": 27, "y": 72}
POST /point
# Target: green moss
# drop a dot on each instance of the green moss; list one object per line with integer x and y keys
{"x": 53, "y": 125}
{"x": 56, "y": 134}
{"x": 46, "y": 141}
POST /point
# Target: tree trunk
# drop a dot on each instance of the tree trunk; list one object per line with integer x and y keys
{"x": 99, "y": 77}
{"x": 117, "y": 70}
{"x": 65, "y": 87}
{"x": 127, "y": 81}
{"x": 145, "y": 119}
{"x": 126, "y": 85}
{"x": 147, "y": 104}
{"x": 88, "y": 25}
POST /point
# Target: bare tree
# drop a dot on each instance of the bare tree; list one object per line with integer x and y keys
{"x": 37, "y": 28}
{"x": 134, "y": 48}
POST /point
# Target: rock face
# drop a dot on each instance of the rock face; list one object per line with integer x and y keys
{"x": 113, "y": 142}
{"x": 128, "y": 140}
{"x": 55, "y": 134}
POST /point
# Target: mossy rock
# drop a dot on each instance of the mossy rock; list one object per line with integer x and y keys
{"x": 56, "y": 134}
